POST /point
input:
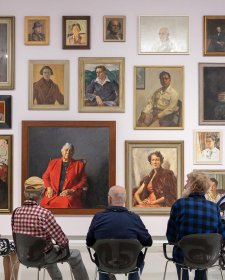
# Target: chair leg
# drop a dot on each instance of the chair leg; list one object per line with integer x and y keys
{"x": 164, "y": 276}
{"x": 44, "y": 273}
{"x": 12, "y": 270}
{"x": 96, "y": 272}
{"x": 181, "y": 273}
{"x": 221, "y": 272}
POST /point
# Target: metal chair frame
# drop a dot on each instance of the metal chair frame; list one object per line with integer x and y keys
{"x": 100, "y": 268}
{"x": 184, "y": 265}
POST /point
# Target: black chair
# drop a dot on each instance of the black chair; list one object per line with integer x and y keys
{"x": 116, "y": 256}
{"x": 201, "y": 251}
{"x": 30, "y": 252}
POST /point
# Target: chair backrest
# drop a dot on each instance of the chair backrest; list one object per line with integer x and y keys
{"x": 201, "y": 250}
{"x": 117, "y": 255}
{"x": 4, "y": 247}
{"x": 30, "y": 249}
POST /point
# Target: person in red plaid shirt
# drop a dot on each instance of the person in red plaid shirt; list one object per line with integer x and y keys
{"x": 32, "y": 219}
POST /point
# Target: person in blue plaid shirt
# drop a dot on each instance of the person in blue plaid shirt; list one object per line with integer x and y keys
{"x": 193, "y": 214}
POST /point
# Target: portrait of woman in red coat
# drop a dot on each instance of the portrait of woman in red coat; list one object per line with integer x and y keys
{"x": 64, "y": 180}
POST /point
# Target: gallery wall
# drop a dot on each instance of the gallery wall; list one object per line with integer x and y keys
{"x": 78, "y": 225}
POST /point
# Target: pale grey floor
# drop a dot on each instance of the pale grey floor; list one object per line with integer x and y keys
{"x": 154, "y": 267}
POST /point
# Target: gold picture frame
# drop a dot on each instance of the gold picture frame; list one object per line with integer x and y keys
{"x": 114, "y": 28}
{"x": 41, "y": 97}
{"x": 36, "y": 30}
{"x": 89, "y": 88}
{"x": 138, "y": 168}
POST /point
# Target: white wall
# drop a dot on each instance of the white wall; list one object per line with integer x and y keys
{"x": 78, "y": 225}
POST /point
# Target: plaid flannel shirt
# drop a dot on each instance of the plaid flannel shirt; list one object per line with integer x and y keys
{"x": 192, "y": 215}
{"x": 32, "y": 219}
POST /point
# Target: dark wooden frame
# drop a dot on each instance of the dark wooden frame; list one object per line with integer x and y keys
{"x": 28, "y": 126}
{"x": 6, "y": 123}
{"x": 64, "y": 32}
{"x": 10, "y": 52}
{"x": 9, "y": 196}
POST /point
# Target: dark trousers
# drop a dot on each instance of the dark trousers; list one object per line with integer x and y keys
{"x": 199, "y": 274}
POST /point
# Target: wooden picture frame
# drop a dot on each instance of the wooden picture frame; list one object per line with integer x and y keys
{"x": 94, "y": 142}
{"x": 214, "y": 35}
{"x": 7, "y": 53}
{"x": 211, "y": 93}
{"x": 6, "y": 188}
{"x": 76, "y": 32}
{"x": 114, "y": 28}
{"x": 5, "y": 111}
{"x": 112, "y": 97}
{"x": 163, "y": 35}
{"x": 147, "y": 115}
{"x": 36, "y": 30}
{"x": 40, "y": 96}
{"x": 208, "y": 146}
{"x": 139, "y": 171}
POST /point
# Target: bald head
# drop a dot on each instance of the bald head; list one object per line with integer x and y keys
{"x": 117, "y": 196}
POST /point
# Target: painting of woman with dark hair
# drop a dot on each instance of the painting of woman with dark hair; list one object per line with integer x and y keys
{"x": 159, "y": 188}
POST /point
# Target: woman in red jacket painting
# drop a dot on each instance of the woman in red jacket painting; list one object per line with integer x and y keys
{"x": 64, "y": 180}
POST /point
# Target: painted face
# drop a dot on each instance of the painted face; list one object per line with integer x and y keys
{"x": 37, "y": 29}
{"x": 115, "y": 26}
{"x": 209, "y": 143}
{"x": 155, "y": 161}
{"x": 100, "y": 73}
{"x": 76, "y": 30}
{"x": 46, "y": 74}
{"x": 213, "y": 186}
{"x": 67, "y": 154}
{"x": 165, "y": 80}
{"x": 163, "y": 34}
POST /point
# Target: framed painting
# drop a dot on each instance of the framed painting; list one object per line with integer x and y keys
{"x": 36, "y": 30}
{"x": 76, "y": 32}
{"x": 93, "y": 73}
{"x": 5, "y": 111}
{"x": 218, "y": 177}
{"x": 43, "y": 73}
{"x": 214, "y": 35}
{"x": 158, "y": 97}
{"x": 6, "y": 191}
{"x": 7, "y": 52}
{"x": 95, "y": 152}
{"x": 211, "y": 93}
{"x": 163, "y": 35}
{"x": 154, "y": 175}
{"x": 114, "y": 29}
{"x": 208, "y": 146}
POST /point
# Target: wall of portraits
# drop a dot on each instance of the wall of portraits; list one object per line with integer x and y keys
{"x": 116, "y": 36}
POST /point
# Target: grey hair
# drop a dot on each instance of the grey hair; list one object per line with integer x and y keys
{"x": 68, "y": 146}
{"x": 118, "y": 194}
{"x": 36, "y": 195}
{"x": 200, "y": 181}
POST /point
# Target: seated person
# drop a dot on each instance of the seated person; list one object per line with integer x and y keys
{"x": 118, "y": 223}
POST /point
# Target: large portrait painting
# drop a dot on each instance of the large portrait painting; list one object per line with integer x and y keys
{"x": 212, "y": 93}
{"x": 208, "y": 146}
{"x": 158, "y": 97}
{"x": 163, "y": 35}
{"x": 89, "y": 173}
{"x": 154, "y": 175}
{"x": 214, "y": 35}
{"x": 6, "y": 193}
{"x": 7, "y": 52}
{"x": 48, "y": 84}
{"x": 101, "y": 84}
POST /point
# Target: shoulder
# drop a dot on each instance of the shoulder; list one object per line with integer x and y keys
{"x": 78, "y": 162}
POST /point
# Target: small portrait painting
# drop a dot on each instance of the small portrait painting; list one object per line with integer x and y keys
{"x": 76, "y": 32}
{"x": 214, "y": 35}
{"x": 159, "y": 97}
{"x": 154, "y": 173}
{"x": 2, "y": 111}
{"x": 208, "y": 147}
{"x": 101, "y": 84}
{"x": 114, "y": 28}
{"x": 36, "y": 30}
{"x": 163, "y": 35}
{"x": 48, "y": 85}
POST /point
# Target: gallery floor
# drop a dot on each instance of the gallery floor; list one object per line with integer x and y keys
{"x": 154, "y": 265}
